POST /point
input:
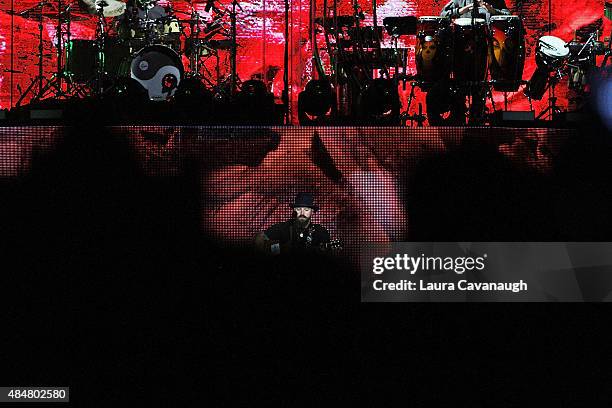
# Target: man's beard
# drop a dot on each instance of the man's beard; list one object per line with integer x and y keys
{"x": 301, "y": 222}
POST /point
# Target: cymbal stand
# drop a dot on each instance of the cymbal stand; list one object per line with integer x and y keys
{"x": 490, "y": 95}
{"x": 194, "y": 58}
{"x": 607, "y": 52}
{"x": 233, "y": 35}
{"x": 37, "y": 81}
{"x": 100, "y": 37}
{"x": 55, "y": 83}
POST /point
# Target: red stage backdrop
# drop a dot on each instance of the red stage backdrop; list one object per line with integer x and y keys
{"x": 261, "y": 30}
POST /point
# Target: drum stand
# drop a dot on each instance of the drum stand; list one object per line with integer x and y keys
{"x": 552, "y": 100}
{"x": 100, "y": 37}
{"x": 406, "y": 116}
{"x": 477, "y": 90}
{"x": 607, "y": 52}
{"x": 490, "y": 95}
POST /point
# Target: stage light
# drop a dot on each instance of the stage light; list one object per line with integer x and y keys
{"x": 379, "y": 103}
{"x": 316, "y": 102}
{"x": 192, "y": 88}
{"x": 132, "y": 92}
{"x": 252, "y": 93}
{"x": 128, "y": 100}
{"x": 254, "y": 104}
{"x": 194, "y": 103}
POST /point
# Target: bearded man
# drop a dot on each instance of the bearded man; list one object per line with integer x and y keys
{"x": 298, "y": 233}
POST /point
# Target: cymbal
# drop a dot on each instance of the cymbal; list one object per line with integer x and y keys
{"x": 220, "y": 44}
{"x": 343, "y": 21}
{"x": 36, "y": 15}
{"x": 194, "y": 21}
{"x": 110, "y": 8}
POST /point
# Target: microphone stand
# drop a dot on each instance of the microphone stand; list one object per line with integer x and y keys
{"x": 233, "y": 68}
{"x": 472, "y": 88}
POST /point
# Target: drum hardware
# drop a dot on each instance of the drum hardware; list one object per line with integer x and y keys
{"x": 552, "y": 107}
{"x": 233, "y": 36}
{"x": 581, "y": 62}
{"x": 413, "y": 83}
{"x": 55, "y": 84}
{"x": 474, "y": 20}
{"x": 472, "y": 37}
{"x": 38, "y": 80}
{"x": 37, "y": 86}
{"x": 199, "y": 43}
{"x": 99, "y": 42}
{"x": 517, "y": 83}
{"x": 396, "y": 27}
{"x": 418, "y": 118}
{"x": 607, "y": 51}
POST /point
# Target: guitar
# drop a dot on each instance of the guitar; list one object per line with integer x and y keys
{"x": 333, "y": 245}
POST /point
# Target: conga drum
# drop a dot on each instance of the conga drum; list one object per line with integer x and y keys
{"x": 433, "y": 48}
{"x": 470, "y": 49}
{"x": 506, "y": 52}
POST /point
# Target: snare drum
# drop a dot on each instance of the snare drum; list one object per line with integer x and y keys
{"x": 159, "y": 70}
{"x": 506, "y": 52}
{"x": 470, "y": 43}
{"x": 433, "y": 48}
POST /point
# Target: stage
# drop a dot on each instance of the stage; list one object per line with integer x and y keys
{"x": 406, "y": 120}
{"x": 152, "y": 150}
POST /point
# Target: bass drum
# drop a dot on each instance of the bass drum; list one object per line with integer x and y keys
{"x": 471, "y": 54}
{"x": 507, "y": 52}
{"x": 433, "y": 55}
{"x": 159, "y": 70}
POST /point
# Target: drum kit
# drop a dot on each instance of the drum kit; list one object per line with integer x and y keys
{"x": 144, "y": 43}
